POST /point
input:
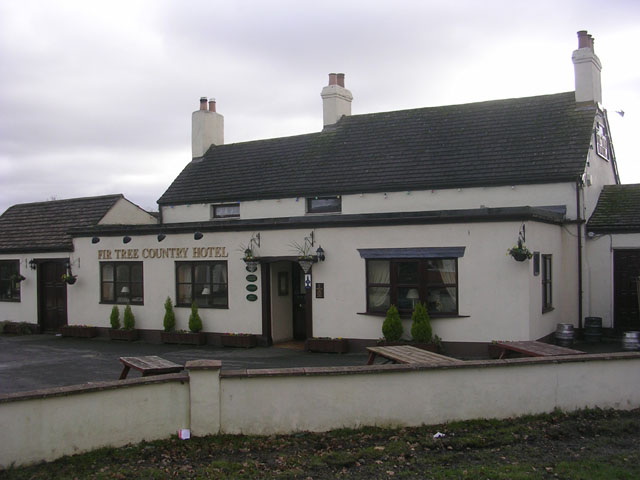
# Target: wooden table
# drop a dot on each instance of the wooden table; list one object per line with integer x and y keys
{"x": 531, "y": 349}
{"x": 409, "y": 354}
{"x": 149, "y": 365}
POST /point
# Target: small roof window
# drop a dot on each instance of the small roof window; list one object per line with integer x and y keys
{"x": 324, "y": 204}
{"x": 227, "y": 210}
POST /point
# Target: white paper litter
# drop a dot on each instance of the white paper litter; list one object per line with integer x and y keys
{"x": 439, "y": 435}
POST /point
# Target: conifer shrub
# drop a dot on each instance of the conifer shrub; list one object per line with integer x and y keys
{"x": 129, "y": 321}
{"x": 169, "y": 322}
{"x": 392, "y": 326}
{"x": 114, "y": 318}
{"x": 195, "y": 322}
{"x": 421, "y": 324}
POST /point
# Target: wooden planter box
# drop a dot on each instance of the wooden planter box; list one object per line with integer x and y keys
{"x": 184, "y": 338}
{"x": 327, "y": 345}
{"x": 79, "y": 331}
{"x": 19, "y": 328}
{"x": 241, "y": 341}
{"x": 122, "y": 334}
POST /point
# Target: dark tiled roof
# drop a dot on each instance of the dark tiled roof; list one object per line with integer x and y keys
{"x": 618, "y": 209}
{"x": 44, "y": 226}
{"x": 527, "y": 140}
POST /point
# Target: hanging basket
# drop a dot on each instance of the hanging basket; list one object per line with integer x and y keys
{"x": 305, "y": 264}
{"x": 519, "y": 256}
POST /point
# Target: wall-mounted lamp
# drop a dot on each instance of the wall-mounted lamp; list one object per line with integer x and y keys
{"x": 126, "y": 239}
{"x": 197, "y": 236}
{"x": 95, "y": 240}
{"x": 320, "y": 254}
{"x": 161, "y": 236}
{"x": 33, "y": 264}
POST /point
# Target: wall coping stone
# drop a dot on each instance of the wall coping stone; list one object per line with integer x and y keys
{"x": 90, "y": 387}
{"x": 203, "y": 365}
{"x": 388, "y": 368}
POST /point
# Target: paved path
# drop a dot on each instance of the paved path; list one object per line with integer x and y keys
{"x": 32, "y": 362}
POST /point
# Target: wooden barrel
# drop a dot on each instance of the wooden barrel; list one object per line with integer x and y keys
{"x": 592, "y": 329}
{"x": 564, "y": 335}
{"x": 631, "y": 341}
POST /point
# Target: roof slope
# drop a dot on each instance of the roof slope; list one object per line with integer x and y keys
{"x": 526, "y": 140}
{"x": 43, "y": 226}
{"x": 618, "y": 209}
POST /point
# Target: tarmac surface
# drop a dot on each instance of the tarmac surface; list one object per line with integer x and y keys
{"x": 34, "y": 362}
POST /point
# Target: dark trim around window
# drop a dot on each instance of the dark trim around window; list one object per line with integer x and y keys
{"x": 205, "y": 282}
{"x": 122, "y": 283}
{"x": 9, "y": 284}
{"x": 324, "y": 204}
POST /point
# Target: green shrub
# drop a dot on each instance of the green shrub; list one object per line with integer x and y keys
{"x": 129, "y": 321}
{"x": 169, "y": 321}
{"x": 392, "y": 326}
{"x": 115, "y": 317}
{"x": 195, "y": 322}
{"x": 421, "y": 324}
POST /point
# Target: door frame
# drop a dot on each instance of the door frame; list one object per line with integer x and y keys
{"x": 40, "y": 304}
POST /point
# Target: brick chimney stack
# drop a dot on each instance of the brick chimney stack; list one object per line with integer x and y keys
{"x": 336, "y": 99}
{"x": 587, "y": 69}
{"x": 207, "y": 128}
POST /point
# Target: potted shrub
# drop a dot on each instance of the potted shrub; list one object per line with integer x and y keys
{"x": 170, "y": 335}
{"x": 392, "y": 326}
{"x": 169, "y": 321}
{"x": 241, "y": 340}
{"x": 421, "y": 324}
{"x": 327, "y": 345}
{"x": 128, "y": 332}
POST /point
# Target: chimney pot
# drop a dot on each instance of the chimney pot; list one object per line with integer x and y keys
{"x": 333, "y": 79}
{"x": 583, "y": 39}
{"x": 212, "y": 104}
{"x": 341, "y": 79}
{"x": 203, "y": 103}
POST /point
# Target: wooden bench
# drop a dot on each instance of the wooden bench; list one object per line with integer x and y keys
{"x": 149, "y": 365}
{"x": 408, "y": 354}
{"x": 500, "y": 349}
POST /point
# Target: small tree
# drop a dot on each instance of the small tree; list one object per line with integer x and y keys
{"x": 115, "y": 317}
{"x": 169, "y": 321}
{"x": 392, "y": 326}
{"x": 195, "y": 322}
{"x": 129, "y": 318}
{"x": 421, "y": 324}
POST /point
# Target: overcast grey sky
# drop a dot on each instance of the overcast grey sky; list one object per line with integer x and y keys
{"x": 96, "y": 96}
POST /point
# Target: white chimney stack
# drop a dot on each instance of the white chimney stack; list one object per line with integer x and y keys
{"x": 587, "y": 68}
{"x": 207, "y": 128}
{"x": 336, "y": 100}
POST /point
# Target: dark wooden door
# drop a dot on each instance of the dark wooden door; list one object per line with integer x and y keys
{"x": 626, "y": 269}
{"x": 299, "y": 303}
{"x": 52, "y": 303}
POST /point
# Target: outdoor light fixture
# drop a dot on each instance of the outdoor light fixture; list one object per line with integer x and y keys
{"x": 95, "y": 240}
{"x": 126, "y": 239}
{"x": 197, "y": 236}
{"x": 161, "y": 236}
{"x": 33, "y": 264}
{"x": 206, "y": 291}
{"x": 320, "y": 254}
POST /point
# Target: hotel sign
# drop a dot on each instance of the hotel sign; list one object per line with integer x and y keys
{"x": 160, "y": 253}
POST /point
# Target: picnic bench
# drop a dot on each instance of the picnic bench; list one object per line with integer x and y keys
{"x": 408, "y": 354}
{"x": 148, "y": 365}
{"x": 500, "y": 349}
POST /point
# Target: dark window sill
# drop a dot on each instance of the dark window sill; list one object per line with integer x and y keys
{"x": 184, "y": 305}
{"x": 104, "y": 302}
{"x": 408, "y": 315}
{"x": 14, "y": 300}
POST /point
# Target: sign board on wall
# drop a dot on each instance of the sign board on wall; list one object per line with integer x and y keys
{"x": 195, "y": 253}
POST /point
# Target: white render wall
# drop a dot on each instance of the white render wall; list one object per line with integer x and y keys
{"x": 126, "y": 213}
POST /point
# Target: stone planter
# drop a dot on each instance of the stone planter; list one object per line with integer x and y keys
{"x": 184, "y": 338}
{"x": 122, "y": 334}
{"x": 327, "y": 345}
{"x": 241, "y": 341}
{"x": 79, "y": 331}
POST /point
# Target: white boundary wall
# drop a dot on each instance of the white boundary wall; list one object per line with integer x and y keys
{"x": 48, "y": 424}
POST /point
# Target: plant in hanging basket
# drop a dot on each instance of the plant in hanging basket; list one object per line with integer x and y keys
{"x": 68, "y": 278}
{"x": 520, "y": 252}
{"x": 17, "y": 278}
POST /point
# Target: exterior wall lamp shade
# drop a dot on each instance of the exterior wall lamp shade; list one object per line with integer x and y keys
{"x": 197, "y": 236}
{"x": 33, "y": 264}
{"x": 126, "y": 239}
{"x": 161, "y": 237}
{"x": 320, "y": 254}
{"x": 95, "y": 240}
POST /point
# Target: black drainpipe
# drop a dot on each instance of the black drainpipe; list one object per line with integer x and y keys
{"x": 579, "y": 224}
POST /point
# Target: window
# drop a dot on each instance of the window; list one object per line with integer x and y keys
{"x": 602, "y": 147}
{"x": 324, "y": 205}
{"x": 547, "y": 291}
{"x": 10, "y": 280}
{"x": 405, "y": 282}
{"x": 204, "y": 282}
{"x": 121, "y": 283}
{"x": 229, "y": 210}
